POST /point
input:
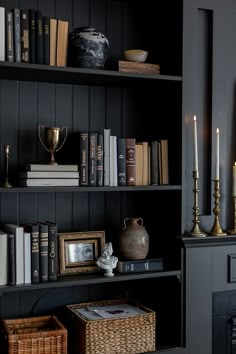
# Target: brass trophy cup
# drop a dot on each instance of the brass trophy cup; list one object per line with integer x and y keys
{"x": 50, "y": 139}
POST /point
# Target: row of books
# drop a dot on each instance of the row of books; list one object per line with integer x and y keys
{"x": 27, "y": 36}
{"x": 108, "y": 160}
{"x": 28, "y": 253}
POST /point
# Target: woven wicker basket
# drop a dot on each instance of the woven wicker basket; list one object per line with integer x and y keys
{"x": 37, "y": 335}
{"x": 129, "y": 335}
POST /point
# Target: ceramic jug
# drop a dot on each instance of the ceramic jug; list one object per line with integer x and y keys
{"x": 133, "y": 239}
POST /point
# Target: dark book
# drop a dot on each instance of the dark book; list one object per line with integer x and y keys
{"x": 24, "y": 20}
{"x": 92, "y": 161}
{"x": 141, "y": 265}
{"x": 46, "y": 40}
{"x": 10, "y": 37}
{"x": 39, "y": 37}
{"x": 32, "y": 36}
{"x": 84, "y": 148}
{"x": 121, "y": 161}
{"x": 100, "y": 147}
{"x": 52, "y": 250}
{"x": 17, "y": 34}
{"x": 154, "y": 163}
{"x": 33, "y": 228}
{"x": 130, "y": 161}
{"x": 43, "y": 251}
{"x": 11, "y": 259}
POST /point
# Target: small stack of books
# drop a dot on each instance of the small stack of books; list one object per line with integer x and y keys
{"x": 35, "y": 175}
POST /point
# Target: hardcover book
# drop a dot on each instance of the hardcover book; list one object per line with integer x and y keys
{"x": 24, "y": 36}
{"x": 3, "y": 258}
{"x": 121, "y": 161}
{"x": 100, "y": 160}
{"x": 48, "y": 182}
{"x": 47, "y": 167}
{"x": 10, "y": 37}
{"x": 17, "y": 36}
{"x": 39, "y": 37}
{"x": 106, "y": 152}
{"x": 92, "y": 159}
{"x": 48, "y": 174}
{"x": 141, "y": 265}
{"x": 142, "y": 68}
{"x": 11, "y": 259}
{"x": 32, "y": 36}
{"x": 46, "y": 40}
{"x": 43, "y": 251}
{"x": 52, "y": 250}
{"x": 2, "y": 34}
{"x": 33, "y": 229}
{"x": 84, "y": 155}
{"x": 130, "y": 161}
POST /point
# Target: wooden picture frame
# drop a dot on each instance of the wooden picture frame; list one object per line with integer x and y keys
{"x": 78, "y": 251}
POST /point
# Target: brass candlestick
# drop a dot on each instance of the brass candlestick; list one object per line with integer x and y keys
{"x": 196, "y": 231}
{"x": 233, "y": 231}
{"x": 6, "y": 183}
{"x": 216, "y": 229}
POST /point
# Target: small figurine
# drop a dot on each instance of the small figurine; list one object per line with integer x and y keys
{"x": 106, "y": 261}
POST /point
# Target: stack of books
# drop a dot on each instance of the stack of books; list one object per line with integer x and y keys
{"x": 35, "y": 175}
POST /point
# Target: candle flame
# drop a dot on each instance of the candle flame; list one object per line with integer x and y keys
{"x": 217, "y": 131}
{"x": 194, "y": 118}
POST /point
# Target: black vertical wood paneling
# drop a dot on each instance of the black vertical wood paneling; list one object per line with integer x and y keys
{"x": 81, "y": 14}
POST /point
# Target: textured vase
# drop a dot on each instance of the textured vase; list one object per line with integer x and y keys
{"x": 133, "y": 239}
{"x": 89, "y": 48}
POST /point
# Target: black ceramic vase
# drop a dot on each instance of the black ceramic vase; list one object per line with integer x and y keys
{"x": 88, "y": 48}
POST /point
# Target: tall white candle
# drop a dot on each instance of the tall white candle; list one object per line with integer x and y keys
{"x": 195, "y": 152}
{"x": 234, "y": 180}
{"x": 217, "y": 154}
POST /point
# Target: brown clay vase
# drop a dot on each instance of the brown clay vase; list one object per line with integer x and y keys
{"x": 133, "y": 239}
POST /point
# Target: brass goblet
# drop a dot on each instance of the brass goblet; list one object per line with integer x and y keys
{"x": 50, "y": 139}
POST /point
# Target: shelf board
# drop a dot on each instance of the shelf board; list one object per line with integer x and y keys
{"x": 90, "y": 189}
{"x": 86, "y": 279}
{"x": 78, "y": 76}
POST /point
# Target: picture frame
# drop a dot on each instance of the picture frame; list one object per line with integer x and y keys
{"x": 78, "y": 251}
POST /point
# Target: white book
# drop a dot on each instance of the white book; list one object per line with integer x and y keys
{"x": 41, "y": 182}
{"x": 2, "y": 34}
{"x": 47, "y": 167}
{"x": 3, "y": 258}
{"x": 27, "y": 257}
{"x": 106, "y": 154}
{"x": 113, "y": 161}
{"x": 48, "y": 174}
{"x": 18, "y": 231}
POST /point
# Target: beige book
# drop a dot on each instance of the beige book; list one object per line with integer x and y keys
{"x": 145, "y": 68}
{"x": 62, "y": 42}
{"x": 145, "y": 163}
{"x": 139, "y": 164}
{"x": 165, "y": 161}
{"x": 53, "y": 41}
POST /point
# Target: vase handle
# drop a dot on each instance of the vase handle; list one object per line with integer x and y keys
{"x": 141, "y": 221}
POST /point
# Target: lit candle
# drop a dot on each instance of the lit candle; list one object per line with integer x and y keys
{"x": 195, "y": 165}
{"x": 217, "y": 177}
{"x": 234, "y": 180}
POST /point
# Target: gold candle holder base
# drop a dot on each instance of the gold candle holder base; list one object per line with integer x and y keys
{"x": 216, "y": 229}
{"x": 233, "y": 231}
{"x": 6, "y": 183}
{"x": 196, "y": 231}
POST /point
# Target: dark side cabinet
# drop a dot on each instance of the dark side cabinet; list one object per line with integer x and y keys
{"x": 147, "y": 107}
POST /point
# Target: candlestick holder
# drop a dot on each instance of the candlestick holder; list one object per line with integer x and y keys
{"x": 216, "y": 229}
{"x": 6, "y": 183}
{"x": 233, "y": 230}
{"x": 196, "y": 231}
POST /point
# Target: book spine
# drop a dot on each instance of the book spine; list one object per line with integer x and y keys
{"x": 10, "y": 37}
{"x": 52, "y": 251}
{"x": 92, "y": 159}
{"x": 84, "y": 159}
{"x": 46, "y": 42}
{"x": 100, "y": 147}
{"x": 27, "y": 257}
{"x": 43, "y": 251}
{"x": 3, "y": 259}
{"x": 32, "y": 36}
{"x": 106, "y": 151}
{"x": 130, "y": 161}
{"x": 154, "y": 162}
{"x": 17, "y": 33}
{"x": 34, "y": 229}
{"x": 2, "y": 34}
{"x": 24, "y": 36}
{"x": 121, "y": 161}
{"x": 39, "y": 37}
{"x": 11, "y": 259}
{"x": 140, "y": 266}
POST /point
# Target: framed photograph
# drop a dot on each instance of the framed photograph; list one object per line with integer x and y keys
{"x": 78, "y": 251}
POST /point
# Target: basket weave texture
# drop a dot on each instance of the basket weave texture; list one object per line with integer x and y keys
{"x": 131, "y": 335}
{"x": 37, "y": 335}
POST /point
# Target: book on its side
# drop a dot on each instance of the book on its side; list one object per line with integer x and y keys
{"x": 2, "y": 34}
{"x": 141, "y": 265}
{"x": 18, "y": 232}
{"x": 10, "y": 37}
{"x": 134, "y": 67}
{"x": 47, "y": 167}
{"x": 52, "y": 250}
{"x": 3, "y": 258}
{"x": 48, "y": 174}
{"x": 50, "y": 182}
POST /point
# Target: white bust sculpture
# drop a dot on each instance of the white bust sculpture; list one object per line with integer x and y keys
{"x": 106, "y": 261}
